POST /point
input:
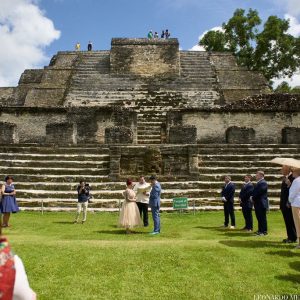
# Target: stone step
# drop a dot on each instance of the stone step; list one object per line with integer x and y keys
{"x": 54, "y": 157}
{"x": 201, "y": 203}
{"x": 53, "y": 164}
{"x": 36, "y": 177}
{"x": 117, "y": 194}
{"x": 34, "y": 149}
{"x": 55, "y": 171}
{"x": 96, "y": 185}
{"x": 229, "y": 164}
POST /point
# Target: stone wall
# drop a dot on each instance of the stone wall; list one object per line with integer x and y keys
{"x": 268, "y": 126}
{"x": 144, "y": 57}
{"x": 236, "y": 82}
{"x": 62, "y": 125}
{"x": 132, "y": 161}
{"x": 291, "y": 135}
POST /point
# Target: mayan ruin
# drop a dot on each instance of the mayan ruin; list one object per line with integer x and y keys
{"x": 144, "y": 107}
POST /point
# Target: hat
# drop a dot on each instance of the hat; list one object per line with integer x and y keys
{"x": 152, "y": 177}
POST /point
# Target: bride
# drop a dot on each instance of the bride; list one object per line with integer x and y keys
{"x": 130, "y": 215}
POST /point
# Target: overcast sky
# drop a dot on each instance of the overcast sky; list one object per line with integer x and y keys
{"x": 32, "y": 31}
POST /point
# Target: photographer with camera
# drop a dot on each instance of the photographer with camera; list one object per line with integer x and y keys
{"x": 83, "y": 191}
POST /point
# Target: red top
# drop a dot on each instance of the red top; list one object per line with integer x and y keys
{"x": 7, "y": 271}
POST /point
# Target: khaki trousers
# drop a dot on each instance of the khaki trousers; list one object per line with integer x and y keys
{"x": 296, "y": 216}
{"x": 82, "y": 206}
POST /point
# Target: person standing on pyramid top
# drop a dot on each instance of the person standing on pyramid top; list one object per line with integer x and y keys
{"x": 90, "y": 46}
{"x": 167, "y": 34}
{"x": 77, "y": 46}
{"x": 150, "y": 35}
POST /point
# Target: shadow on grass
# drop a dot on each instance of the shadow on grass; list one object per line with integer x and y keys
{"x": 213, "y": 228}
{"x": 284, "y": 253}
{"x": 251, "y": 244}
{"x": 120, "y": 231}
{"x": 295, "y": 278}
{"x": 64, "y": 222}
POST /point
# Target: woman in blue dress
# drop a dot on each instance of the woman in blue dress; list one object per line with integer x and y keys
{"x": 8, "y": 203}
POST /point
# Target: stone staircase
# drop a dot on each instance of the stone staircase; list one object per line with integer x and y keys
{"x": 49, "y": 175}
{"x": 93, "y": 85}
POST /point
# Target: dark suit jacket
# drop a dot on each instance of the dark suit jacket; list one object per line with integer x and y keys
{"x": 260, "y": 195}
{"x": 284, "y": 195}
{"x": 228, "y": 192}
{"x": 245, "y": 194}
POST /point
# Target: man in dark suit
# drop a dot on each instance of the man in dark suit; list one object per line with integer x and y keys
{"x": 285, "y": 206}
{"x": 261, "y": 203}
{"x": 227, "y": 196}
{"x": 246, "y": 203}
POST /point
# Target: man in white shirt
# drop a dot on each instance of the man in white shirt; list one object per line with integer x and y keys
{"x": 294, "y": 199}
{"x": 142, "y": 190}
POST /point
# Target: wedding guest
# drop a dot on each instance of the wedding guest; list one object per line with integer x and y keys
{"x": 90, "y": 46}
{"x": 294, "y": 199}
{"x": 154, "y": 203}
{"x": 77, "y": 46}
{"x": 227, "y": 195}
{"x": 14, "y": 282}
{"x": 83, "y": 192}
{"x": 285, "y": 205}
{"x": 130, "y": 215}
{"x": 261, "y": 203}
{"x": 167, "y": 34}
{"x": 246, "y": 203}
{"x": 142, "y": 189}
{"x": 8, "y": 203}
{"x": 150, "y": 35}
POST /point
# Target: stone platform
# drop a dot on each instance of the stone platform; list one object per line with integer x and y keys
{"x": 49, "y": 174}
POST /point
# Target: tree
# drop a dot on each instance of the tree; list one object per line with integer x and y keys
{"x": 284, "y": 87}
{"x": 271, "y": 51}
{"x": 214, "y": 41}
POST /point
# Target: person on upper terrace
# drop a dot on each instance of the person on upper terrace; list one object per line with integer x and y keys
{"x": 156, "y": 35}
{"x": 77, "y": 46}
{"x": 167, "y": 34}
{"x": 150, "y": 34}
{"x": 162, "y": 36}
{"x": 90, "y": 46}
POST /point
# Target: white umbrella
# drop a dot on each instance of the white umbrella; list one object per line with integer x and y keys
{"x": 285, "y": 161}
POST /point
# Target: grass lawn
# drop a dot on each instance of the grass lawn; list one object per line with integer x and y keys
{"x": 191, "y": 259}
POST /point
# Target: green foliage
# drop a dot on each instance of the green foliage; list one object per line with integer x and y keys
{"x": 214, "y": 41}
{"x": 192, "y": 258}
{"x": 271, "y": 51}
{"x": 285, "y": 88}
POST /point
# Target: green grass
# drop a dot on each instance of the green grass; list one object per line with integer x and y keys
{"x": 191, "y": 259}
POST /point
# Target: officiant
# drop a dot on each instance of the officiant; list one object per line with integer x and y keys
{"x": 142, "y": 190}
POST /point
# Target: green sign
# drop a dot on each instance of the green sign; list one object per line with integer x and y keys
{"x": 180, "y": 203}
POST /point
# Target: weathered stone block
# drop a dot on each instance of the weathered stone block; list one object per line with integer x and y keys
{"x": 118, "y": 135}
{"x": 183, "y": 134}
{"x": 7, "y": 133}
{"x": 60, "y": 133}
{"x": 291, "y": 135}
{"x": 240, "y": 135}
{"x": 144, "y": 57}
{"x": 31, "y": 76}
{"x": 44, "y": 97}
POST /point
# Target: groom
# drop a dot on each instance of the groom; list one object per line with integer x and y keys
{"x": 154, "y": 203}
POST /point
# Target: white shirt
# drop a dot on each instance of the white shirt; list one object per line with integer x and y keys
{"x": 294, "y": 193}
{"x": 138, "y": 189}
{"x": 22, "y": 290}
